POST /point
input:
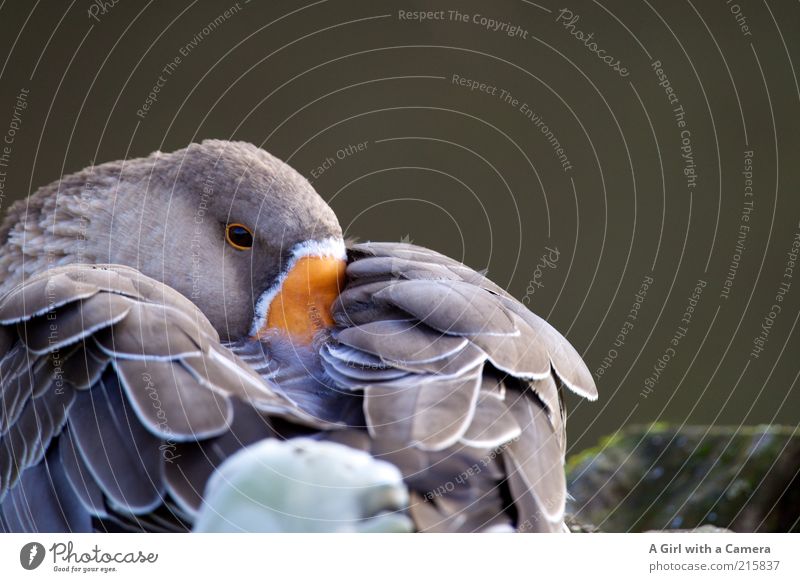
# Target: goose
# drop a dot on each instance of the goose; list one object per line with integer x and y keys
{"x": 169, "y": 322}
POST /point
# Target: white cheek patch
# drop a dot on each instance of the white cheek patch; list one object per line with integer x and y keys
{"x": 328, "y": 247}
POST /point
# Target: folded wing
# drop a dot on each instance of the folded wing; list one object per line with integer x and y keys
{"x": 461, "y": 388}
{"x": 118, "y": 400}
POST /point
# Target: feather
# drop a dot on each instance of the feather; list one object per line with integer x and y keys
{"x": 7, "y": 339}
{"x": 189, "y": 465}
{"x": 122, "y": 457}
{"x": 170, "y": 402}
{"x": 403, "y": 251}
{"x": 534, "y": 462}
{"x": 40, "y": 295}
{"x": 83, "y": 368}
{"x": 353, "y": 357}
{"x": 83, "y": 484}
{"x": 566, "y": 361}
{"x": 44, "y": 502}
{"x": 45, "y": 416}
{"x": 13, "y": 450}
{"x": 394, "y": 267}
{"x": 451, "y": 307}
{"x": 73, "y": 322}
{"x": 28, "y": 383}
{"x": 454, "y": 381}
{"x": 351, "y": 375}
{"x": 149, "y": 332}
{"x": 492, "y": 425}
{"x": 431, "y": 415}
{"x": 525, "y": 356}
{"x": 401, "y": 342}
{"x": 451, "y": 366}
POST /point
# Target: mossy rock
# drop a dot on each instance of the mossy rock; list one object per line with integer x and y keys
{"x": 660, "y": 477}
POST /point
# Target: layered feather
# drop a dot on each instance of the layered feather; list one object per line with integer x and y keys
{"x": 453, "y": 368}
{"x": 104, "y": 373}
{"x": 118, "y": 391}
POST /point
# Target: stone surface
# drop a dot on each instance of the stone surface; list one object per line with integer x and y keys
{"x": 658, "y": 477}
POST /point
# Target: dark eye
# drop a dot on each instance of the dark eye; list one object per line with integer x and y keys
{"x": 239, "y": 236}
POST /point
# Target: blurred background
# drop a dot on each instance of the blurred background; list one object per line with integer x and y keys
{"x": 628, "y": 169}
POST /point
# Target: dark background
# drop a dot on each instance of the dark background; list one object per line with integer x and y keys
{"x": 467, "y": 173}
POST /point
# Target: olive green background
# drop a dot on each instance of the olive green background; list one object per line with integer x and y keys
{"x": 468, "y": 174}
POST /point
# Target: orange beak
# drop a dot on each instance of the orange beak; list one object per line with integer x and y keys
{"x": 302, "y": 306}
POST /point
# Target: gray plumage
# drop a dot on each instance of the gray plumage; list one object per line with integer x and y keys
{"x": 128, "y": 374}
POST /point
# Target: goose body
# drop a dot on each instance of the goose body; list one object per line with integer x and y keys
{"x": 160, "y": 315}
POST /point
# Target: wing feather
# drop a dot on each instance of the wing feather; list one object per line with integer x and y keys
{"x": 122, "y": 456}
{"x": 459, "y": 385}
{"x": 89, "y": 493}
{"x": 103, "y": 370}
{"x": 431, "y": 414}
{"x": 480, "y": 384}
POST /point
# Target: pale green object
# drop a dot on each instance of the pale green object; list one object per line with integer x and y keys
{"x": 304, "y": 485}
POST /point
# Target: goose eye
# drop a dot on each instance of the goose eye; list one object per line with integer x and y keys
{"x": 239, "y": 236}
